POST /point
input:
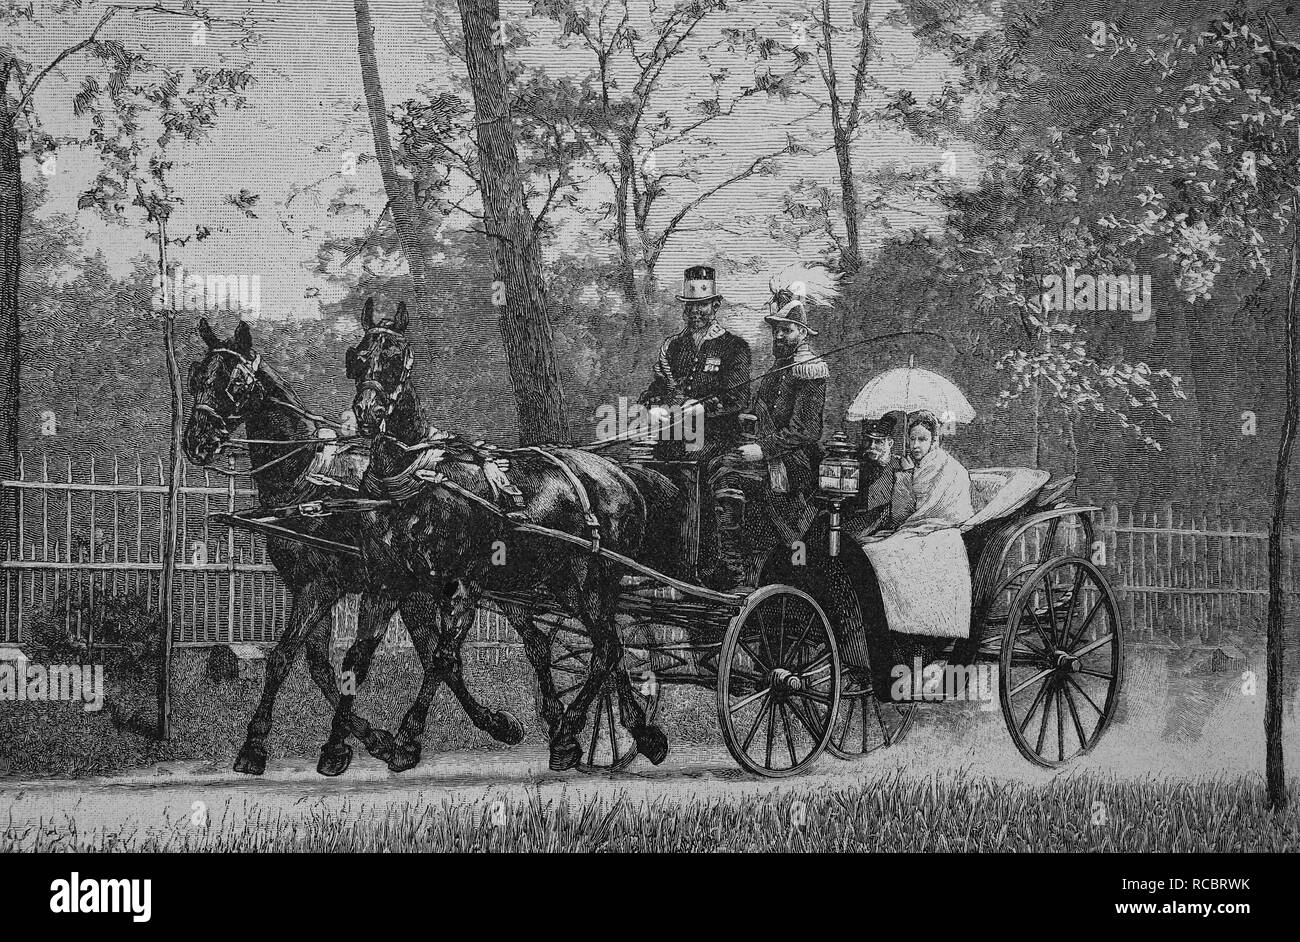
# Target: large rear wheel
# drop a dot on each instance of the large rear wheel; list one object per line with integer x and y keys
{"x": 1062, "y": 661}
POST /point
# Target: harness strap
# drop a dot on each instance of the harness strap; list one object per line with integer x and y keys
{"x": 593, "y": 524}
{"x": 269, "y": 525}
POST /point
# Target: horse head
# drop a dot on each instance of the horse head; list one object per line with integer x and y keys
{"x": 381, "y": 367}
{"x": 224, "y": 390}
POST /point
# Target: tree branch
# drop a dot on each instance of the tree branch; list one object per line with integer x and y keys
{"x": 374, "y": 231}
{"x": 656, "y": 245}
{"x": 112, "y": 11}
{"x": 860, "y": 69}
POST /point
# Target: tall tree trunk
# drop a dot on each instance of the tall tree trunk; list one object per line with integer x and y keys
{"x": 11, "y": 215}
{"x": 632, "y": 340}
{"x": 1274, "y": 766}
{"x": 408, "y": 220}
{"x": 525, "y": 318}
{"x": 172, "y": 509}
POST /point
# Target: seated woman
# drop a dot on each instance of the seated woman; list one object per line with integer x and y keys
{"x": 936, "y": 494}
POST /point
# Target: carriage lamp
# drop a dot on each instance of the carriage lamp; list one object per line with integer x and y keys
{"x": 837, "y": 479}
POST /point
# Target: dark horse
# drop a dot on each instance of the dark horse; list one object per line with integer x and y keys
{"x": 439, "y": 533}
{"x": 231, "y": 385}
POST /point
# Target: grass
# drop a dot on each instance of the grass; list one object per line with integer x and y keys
{"x": 951, "y": 812}
{"x": 209, "y": 717}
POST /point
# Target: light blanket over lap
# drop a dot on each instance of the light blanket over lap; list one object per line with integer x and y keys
{"x": 924, "y": 581}
{"x": 923, "y": 569}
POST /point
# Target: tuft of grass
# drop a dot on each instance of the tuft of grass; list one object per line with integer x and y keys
{"x": 949, "y": 812}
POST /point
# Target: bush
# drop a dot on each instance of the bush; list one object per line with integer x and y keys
{"x": 63, "y": 633}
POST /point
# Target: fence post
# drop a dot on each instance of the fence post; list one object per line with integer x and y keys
{"x": 230, "y": 555}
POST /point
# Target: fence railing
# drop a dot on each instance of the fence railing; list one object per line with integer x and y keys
{"x": 1185, "y": 576}
{"x": 81, "y": 534}
{"x": 84, "y": 533}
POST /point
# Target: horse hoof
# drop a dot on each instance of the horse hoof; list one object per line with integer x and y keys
{"x": 381, "y": 744}
{"x": 653, "y": 744}
{"x": 334, "y": 761}
{"x": 507, "y": 729}
{"x": 565, "y": 754}
{"x": 405, "y": 756}
{"x": 251, "y": 759}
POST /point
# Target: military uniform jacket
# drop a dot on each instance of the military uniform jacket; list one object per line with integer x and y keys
{"x": 794, "y": 401}
{"x": 716, "y": 373}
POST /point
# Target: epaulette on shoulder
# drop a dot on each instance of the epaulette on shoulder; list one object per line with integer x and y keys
{"x": 813, "y": 369}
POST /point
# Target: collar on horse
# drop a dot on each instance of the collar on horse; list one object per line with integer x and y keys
{"x": 424, "y": 470}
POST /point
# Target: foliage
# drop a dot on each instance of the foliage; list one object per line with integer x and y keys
{"x": 79, "y": 622}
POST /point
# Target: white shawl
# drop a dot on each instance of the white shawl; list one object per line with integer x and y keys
{"x": 940, "y": 488}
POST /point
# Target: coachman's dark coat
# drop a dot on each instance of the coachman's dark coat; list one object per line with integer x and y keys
{"x": 716, "y": 373}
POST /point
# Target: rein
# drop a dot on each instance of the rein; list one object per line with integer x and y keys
{"x": 248, "y": 369}
{"x": 266, "y": 464}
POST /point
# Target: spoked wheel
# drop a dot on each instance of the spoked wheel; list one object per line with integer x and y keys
{"x": 607, "y": 744}
{"x": 863, "y": 724}
{"x": 778, "y": 682}
{"x": 1062, "y": 653}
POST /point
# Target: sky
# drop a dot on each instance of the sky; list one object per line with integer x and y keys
{"x": 307, "y": 116}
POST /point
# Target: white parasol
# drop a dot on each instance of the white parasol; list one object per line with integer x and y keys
{"x": 911, "y": 389}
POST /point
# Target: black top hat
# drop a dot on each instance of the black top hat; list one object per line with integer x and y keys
{"x": 878, "y": 428}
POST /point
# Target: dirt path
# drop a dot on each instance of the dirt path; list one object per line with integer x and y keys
{"x": 165, "y": 798}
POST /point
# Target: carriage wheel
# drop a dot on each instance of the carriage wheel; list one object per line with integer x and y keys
{"x": 778, "y": 682}
{"x": 608, "y": 746}
{"x": 1062, "y": 654}
{"x": 864, "y": 724}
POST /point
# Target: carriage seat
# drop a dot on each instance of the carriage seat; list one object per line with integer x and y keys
{"x": 997, "y": 492}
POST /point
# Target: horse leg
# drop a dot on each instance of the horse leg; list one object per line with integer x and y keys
{"x": 650, "y": 739}
{"x": 595, "y": 603}
{"x": 373, "y": 617}
{"x": 458, "y": 618}
{"x": 378, "y": 742}
{"x": 442, "y": 629}
{"x": 538, "y": 648}
{"x": 309, "y": 606}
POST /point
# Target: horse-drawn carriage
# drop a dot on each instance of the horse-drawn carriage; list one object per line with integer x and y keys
{"x": 776, "y": 657}
{"x": 787, "y": 661}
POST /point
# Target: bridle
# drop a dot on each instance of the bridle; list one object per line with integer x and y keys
{"x": 240, "y": 387}
{"x": 387, "y": 401}
{"x": 243, "y": 388}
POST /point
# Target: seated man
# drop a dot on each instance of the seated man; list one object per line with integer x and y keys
{"x": 703, "y": 363}
{"x": 879, "y": 506}
{"x": 775, "y": 474}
